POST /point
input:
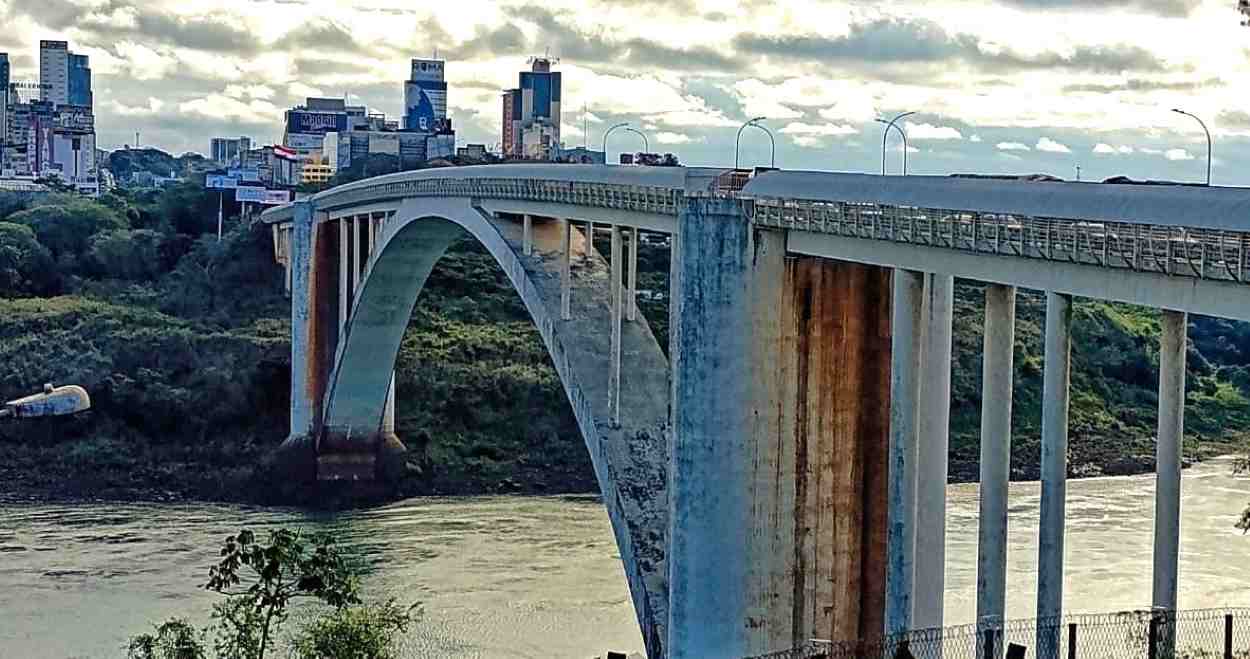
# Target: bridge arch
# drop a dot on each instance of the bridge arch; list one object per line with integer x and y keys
{"x": 629, "y": 458}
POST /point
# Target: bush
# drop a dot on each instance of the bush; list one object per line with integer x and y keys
{"x": 174, "y": 639}
{"x": 26, "y": 267}
{"x": 359, "y": 632}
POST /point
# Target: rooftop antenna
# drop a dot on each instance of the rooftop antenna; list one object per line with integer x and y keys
{"x": 585, "y": 126}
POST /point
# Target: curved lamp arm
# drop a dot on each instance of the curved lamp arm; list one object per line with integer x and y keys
{"x": 607, "y": 132}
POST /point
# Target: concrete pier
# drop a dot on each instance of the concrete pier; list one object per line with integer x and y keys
{"x": 566, "y": 272}
{"x": 996, "y": 391}
{"x": 632, "y": 307}
{"x": 359, "y": 258}
{"x": 908, "y": 334}
{"x": 527, "y": 235}
{"x": 343, "y": 282}
{"x": 1055, "y": 395}
{"x": 614, "y": 373}
{"x": 933, "y": 428}
{"x": 1168, "y": 458}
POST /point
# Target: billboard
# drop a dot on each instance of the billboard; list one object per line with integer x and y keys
{"x": 425, "y": 103}
{"x": 276, "y": 197}
{"x": 250, "y": 193}
{"x": 74, "y": 119}
{"x": 305, "y": 141}
{"x": 220, "y": 182}
{"x": 315, "y": 123}
{"x": 244, "y": 174}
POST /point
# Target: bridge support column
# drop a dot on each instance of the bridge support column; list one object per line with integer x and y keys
{"x": 527, "y": 235}
{"x": 358, "y": 223}
{"x": 1168, "y": 459}
{"x": 314, "y": 270}
{"x": 566, "y": 271}
{"x": 933, "y": 428}
{"x": 1050, "y": 535}
{"x": 904, "y": 447}
{"x": 779, "y": 441}
{"x": 614, "y": 374}
{"x": 996, "y": 389}
{"x": 343, "y": 260}
{"x": 632, "y": 308}
{"x": 588, "y": 247}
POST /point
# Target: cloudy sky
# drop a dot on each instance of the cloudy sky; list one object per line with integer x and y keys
{"x": 1017, "y": 86}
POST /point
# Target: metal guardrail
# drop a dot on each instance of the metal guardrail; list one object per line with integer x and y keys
{"x": 1197, "y": 253}
{"x": 1197, "y": 634}
{"x": 1208, "y": 254}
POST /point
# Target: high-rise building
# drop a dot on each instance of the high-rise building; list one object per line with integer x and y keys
{"x": 227, "y": 150}
{"x": 79, "y": 70}
{"x": 425, "y": 96}
{"x": 54, "y": 72}
{"x": 531, "y": 127}
{"x": 4, "y": 105}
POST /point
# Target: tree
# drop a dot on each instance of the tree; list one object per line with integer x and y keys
{"x": 174, "y": 639}
{"x": 26, "y": 267}
{"x": 65, "y": 225}
{"x": 125, "y": 254}
{"x": 277, "y": 573}
{"x": 358, "y": 632}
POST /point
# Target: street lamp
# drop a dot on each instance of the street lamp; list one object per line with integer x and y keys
{"x": 1204, "y": 129}
{"x": 888, "y": 125}
{"x": 771, "y": 141}
{"x": 607, "y": 132}
{"x": 54, "y": 401}
{"x": 646, "y": 144}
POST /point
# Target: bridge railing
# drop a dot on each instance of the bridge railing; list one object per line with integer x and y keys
{"x": 1197, "y": 634}
{"x": 1188, "y": 252}
{"x": 637, "y": 198}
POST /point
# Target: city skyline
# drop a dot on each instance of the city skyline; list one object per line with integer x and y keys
{"x": 1007, "y": 87}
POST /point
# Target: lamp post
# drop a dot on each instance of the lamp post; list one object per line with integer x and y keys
{"x": 888, "y": 125}
{"x": 607, "y": 132}
{"x": 646, "y": 144}
{"x": 1204, "y": 129}
{"x": 771, "y": 141}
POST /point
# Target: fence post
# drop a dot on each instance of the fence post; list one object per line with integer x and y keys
{"x": 1153, "y": 641}
{"x": 1228, "y": 636}
{"x": 1072, "y": 640}
{"x": 989, "y": 643}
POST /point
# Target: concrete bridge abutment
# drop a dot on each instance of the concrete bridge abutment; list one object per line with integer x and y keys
{"x": 778, "y": 469}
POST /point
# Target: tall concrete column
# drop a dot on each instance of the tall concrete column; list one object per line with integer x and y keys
{"x": 302, "y": 237}
{"x": 614, "y": 375}
{"x": 996, "y": 389}
{"x": 373, "y": 227}
{"x": 934, "y": 433}
{"x": 1168, "y": 458}
{"x": 566, "y": 271}
{"x": 343, "y": 261}
{"x": 527, "y": 235}
{"x": 632, "y": 307}
{"x": 708, "y": 502}
{"x": 286, "y": 237}
{"x": 904, "y": 448}
{"x": 357, "y": 224}
{"x": 588, "y": 247}
{"x": 388, "y": 414}
{"x": 1050, "y": 534}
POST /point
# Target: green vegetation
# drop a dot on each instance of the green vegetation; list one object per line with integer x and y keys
{"x": 183, "y": 342}
{"x": 261, "y": 582}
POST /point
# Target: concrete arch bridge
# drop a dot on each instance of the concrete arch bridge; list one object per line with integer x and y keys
{"x": 781, "y": 477}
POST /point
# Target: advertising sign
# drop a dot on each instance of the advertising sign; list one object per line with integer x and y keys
{"x": 75, "y": 119}
{"x": 315, "y": 123}
{"x": 276, "y": 197}
{"x": 250, "y": 193}
{"x": 248, "y": 174}
{"x": 220, "y": 182}
{"x": 305, "y": 141}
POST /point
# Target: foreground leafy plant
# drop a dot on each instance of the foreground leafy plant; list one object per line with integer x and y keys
{"x": 359, "y": 632}
{"x": 263, "y": 579}
{"x": 174, "y": 639}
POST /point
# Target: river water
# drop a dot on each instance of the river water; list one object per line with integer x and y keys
{"x": 539, "y": 577}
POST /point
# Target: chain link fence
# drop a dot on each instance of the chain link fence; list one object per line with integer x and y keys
{"x": 1198, "y": 634}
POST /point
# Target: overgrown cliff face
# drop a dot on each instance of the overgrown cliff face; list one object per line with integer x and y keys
{"x": 183, "y": 343}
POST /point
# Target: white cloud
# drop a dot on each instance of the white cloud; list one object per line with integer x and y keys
{"x": 217, "y": 106}
{"x": 1047, "y": 144}
{"x": 249, "y": 91}
{"x": 154, "y": 106}
{"x": 974, "y": 138}
{"x": 1177, "y": 154}
{"x": 931, "y": 132}
{"x": 1106, "y": 149}
{"x": 1013, "y": 146}
{"x": 1153, "y": 152}
{"x": 668, "y": 137}
{"x": 813, "y": 135}
{"x": 759, "y": 99}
